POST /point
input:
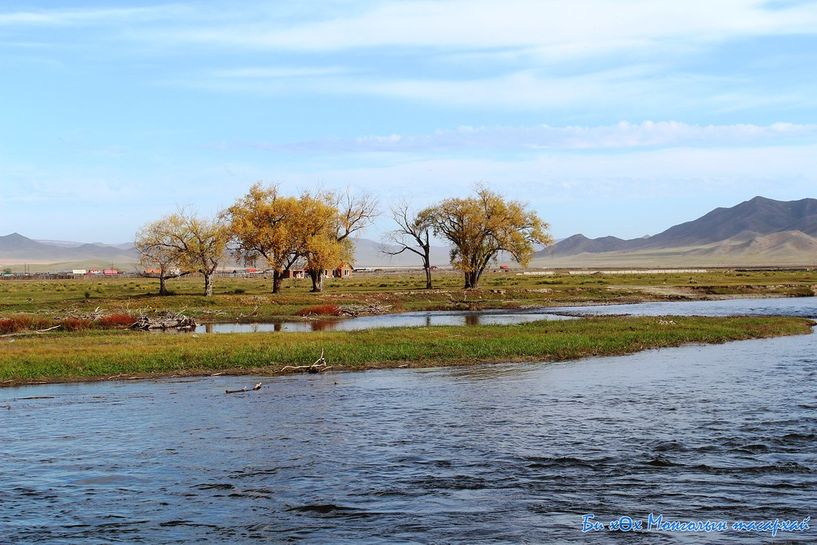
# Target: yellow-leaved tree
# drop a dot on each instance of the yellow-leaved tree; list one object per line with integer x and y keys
{"x": 192, "y": 243}
{"x": 481, "y": 226}
{"x": 265, "y": 224}
{"x": 312, "y": 229}
{"x": 343, "y": 215}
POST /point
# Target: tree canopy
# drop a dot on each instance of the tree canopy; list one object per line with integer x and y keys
{"x": 157, "y": 250}
{"x": 186, "y": 241}
{"x": 311, "y": 229}
{"x": 481, "y": 226}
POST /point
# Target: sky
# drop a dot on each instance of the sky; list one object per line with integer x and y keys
{"x": 608, "y": 117}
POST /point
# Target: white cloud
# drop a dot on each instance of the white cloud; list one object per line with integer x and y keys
{"x": 567, "y": 26}
{"x": 585, "y": 172}
{"x": 621, "y": 136}
{"x": 625, "y": 90}
{"x": 564, "y": 186}
{"x": 89, "y": 16}
{"x": 277, "y": 72}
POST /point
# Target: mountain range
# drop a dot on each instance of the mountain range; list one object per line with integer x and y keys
{"x": 15, "y": 249}
{"x": 759, "y": 231}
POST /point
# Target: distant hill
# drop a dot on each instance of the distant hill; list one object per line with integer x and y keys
{"x": 17, "y": 249}
{"x": 55, "y": 255}
{"x": 759, "y": 231}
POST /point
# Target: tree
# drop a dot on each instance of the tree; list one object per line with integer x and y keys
{"x": 481, "y": 226}
{"x": 157, "y": 249}
{"x": 204, "y": 242}
{"x": 264, "y": 223}
{"x": 317, "y": 228}
{"x": 413, "y": 234}
{"x": 342, "y": 216}
{"x": 193, "y": 243}
{"x": 325, "y": 253}
{"x": 312, "y": 229}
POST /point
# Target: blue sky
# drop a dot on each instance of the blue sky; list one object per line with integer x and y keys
{"x": 618, "y": 117}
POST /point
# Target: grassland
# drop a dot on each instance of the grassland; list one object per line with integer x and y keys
{"x": 99, "y": 354}
{"x": 85, "y": 348}
{"x": 249, "y": 299}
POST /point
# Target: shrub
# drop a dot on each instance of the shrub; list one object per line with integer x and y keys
{"x": 76, "y": 324}
{"x": 116, "y": 320}
{"x": 23, "y": 322}
{"x": 320, "y": 310}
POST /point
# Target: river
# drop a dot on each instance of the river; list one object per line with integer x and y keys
{"x": 485, "y": 454}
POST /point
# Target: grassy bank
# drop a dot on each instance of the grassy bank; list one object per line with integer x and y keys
{"x": 96, "y": 354}
{"x": 249, "y": 299}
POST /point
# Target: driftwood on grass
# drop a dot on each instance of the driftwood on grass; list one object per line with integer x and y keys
{"x": 244, "y": 389}
{"x": 367, "y": 309}
{"x": 318, "y": 367}
{"x": 168, "y": 321}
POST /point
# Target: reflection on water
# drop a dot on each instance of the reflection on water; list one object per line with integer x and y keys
{"x": 470, "y": 455}
{"x": 799, "y": 306}
{"x": 404, "y": 319}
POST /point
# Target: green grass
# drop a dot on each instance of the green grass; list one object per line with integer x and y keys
{"x": 95, "y": 354}
{"x": 238, "y": 299}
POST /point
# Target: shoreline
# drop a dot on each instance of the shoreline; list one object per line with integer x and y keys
{"x": 115, "y": 356}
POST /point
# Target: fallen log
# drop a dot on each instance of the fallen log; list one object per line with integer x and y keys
{"x": 318, "y": 367}
{"x": 244, "y": 389}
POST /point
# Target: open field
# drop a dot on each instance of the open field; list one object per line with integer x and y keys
{"x": 90, "y": 355}
{"x": 82, "y": 349}
{"x": 249, "y": 299}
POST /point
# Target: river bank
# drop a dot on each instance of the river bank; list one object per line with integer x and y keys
{"x": 117, "y": 355}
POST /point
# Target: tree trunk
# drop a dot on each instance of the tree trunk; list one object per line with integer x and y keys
{"x": 277, "y": 276}
{"x": 317, "y": 281}
{"x": 162, "y": 285}
{"x": 428, "y": 277}
{"x": 471, "y": 280}
{"x": 208, "y": 285}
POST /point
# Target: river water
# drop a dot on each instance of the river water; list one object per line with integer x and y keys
{"x": 485, "y": 454}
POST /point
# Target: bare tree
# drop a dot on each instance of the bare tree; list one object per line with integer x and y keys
{"x": 413, "y": 234}
{"x": 352, "y": 213}
{"x": 355, "y": 212}
{"x": 157, "y": 251}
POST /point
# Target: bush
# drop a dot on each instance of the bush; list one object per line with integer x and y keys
{"x": 15, "y": 324}
{"x": 116, "y": 320}
{"x": 76, "y": 324}
{"x": 320, "y": 310}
